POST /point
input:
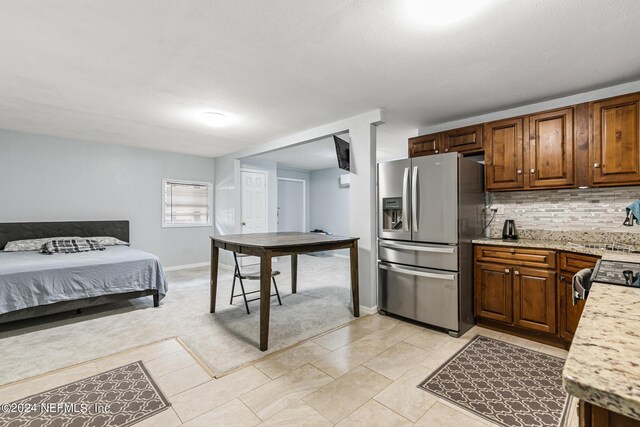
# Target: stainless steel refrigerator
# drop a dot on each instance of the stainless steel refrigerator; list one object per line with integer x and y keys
{"x": 429, "y": 210}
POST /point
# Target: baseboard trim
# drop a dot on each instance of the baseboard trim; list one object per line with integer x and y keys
{"x": 368, "y": 310}
{"x": 185, "y": 266}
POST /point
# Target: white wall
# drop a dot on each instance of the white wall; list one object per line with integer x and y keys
{"x": 305, "y": 176}
{"x": 227, "y": 201}
{"x": 226, "y": 196}
{"x": 45, "y": 178}
{"x": 362, "y": 203}
{"x": 329, "y": 202}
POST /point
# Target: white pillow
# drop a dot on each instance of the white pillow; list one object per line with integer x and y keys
{"x": 30, "y": 244}
{"x": 108, "y": 241}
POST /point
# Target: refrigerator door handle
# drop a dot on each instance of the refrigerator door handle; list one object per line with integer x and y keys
{"x": 419, "y": 273}
{"x": 393, "y": 245}
{"x": 405, "y": 200}
{"x": 415, "y": 191}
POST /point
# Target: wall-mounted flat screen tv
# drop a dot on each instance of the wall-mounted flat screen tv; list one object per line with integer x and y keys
{"x": 342, "y": 151}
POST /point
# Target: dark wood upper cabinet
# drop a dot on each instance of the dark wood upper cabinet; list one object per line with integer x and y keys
{"x": 551, "y": 149}
{"x": 493, "y": 292}
{"x": 615, "y": 143}
{"x": 590, "y": 144}
{"x": 425, "y": 145}
{"x": 504, "y": 155}
{"x": 464, "y": 140}
{"x": 534, "y": 299}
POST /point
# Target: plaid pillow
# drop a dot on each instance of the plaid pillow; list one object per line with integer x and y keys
{"x": 69, "y": 246}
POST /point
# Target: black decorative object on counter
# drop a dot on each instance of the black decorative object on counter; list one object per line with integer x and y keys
{"x": 509, "y": 230}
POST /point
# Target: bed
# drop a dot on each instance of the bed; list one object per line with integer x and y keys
{"x": 33, "y": 284}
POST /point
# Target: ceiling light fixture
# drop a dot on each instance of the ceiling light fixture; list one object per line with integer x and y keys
{"x": 215, "y": 119}
{"x": 442, "y": 12}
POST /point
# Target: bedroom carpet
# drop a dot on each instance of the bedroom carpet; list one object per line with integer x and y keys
{"x": 224, "y": 340}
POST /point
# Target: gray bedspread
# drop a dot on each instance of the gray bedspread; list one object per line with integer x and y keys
{"x": 29, "y": 279}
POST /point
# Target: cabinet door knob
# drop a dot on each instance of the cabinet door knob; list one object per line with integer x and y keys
{"x": 506, "y": 270}
{"x": 516, "y": 272}
{"x": 519, "y": 172}
{"x": 596, "y": 165}
{"x": 532, "y": 171}
{"x": 437, "y": 151}
{"x": 446, "y": 150}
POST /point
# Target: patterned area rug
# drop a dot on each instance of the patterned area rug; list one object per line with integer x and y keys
{"x": 116, "y": 398}
{"x": 503, "y": 383}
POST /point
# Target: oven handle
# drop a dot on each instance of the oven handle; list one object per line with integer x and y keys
{"x": 418, "y": 273}
{"x": 393, "y": 245}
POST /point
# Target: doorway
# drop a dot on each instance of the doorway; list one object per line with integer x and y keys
{"x": 291, "y": 205}
{"x": 254, "y": 206}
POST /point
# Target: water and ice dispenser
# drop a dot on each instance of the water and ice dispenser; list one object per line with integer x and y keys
{"x": 392, "y": 213}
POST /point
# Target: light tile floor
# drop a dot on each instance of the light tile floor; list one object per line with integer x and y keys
{"x": 363, "y": 374}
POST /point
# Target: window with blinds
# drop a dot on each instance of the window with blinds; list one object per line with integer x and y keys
{"x": 187, "y": 203}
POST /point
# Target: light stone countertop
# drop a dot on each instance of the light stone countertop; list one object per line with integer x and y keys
{"x": 557, "y": 245}
{"x": 603, "y": 364}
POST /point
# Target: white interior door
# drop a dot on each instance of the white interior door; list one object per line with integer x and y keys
{"x": 291, "y": 205}
{"x": 254, "y": 206}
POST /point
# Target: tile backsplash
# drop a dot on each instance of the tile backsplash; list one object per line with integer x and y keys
{"x": 594, "y": 209}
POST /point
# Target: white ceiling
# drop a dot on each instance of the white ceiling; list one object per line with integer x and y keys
{"x": 320, "y": 154}
{"x": 139, "y": 72}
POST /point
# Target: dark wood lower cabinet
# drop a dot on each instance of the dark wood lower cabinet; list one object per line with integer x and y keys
{"x": 534, "y": 300}
{"x": 596, "y": 416}
{"x": 569, "y": 313}
{"x": 493, "y": 288}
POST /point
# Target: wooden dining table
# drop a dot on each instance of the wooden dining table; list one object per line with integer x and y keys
{"x": 266, "y": 246}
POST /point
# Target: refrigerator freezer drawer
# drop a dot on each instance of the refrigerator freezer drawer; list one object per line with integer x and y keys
{"x": 428, "y": 296}
{"x": 442, "y": 257}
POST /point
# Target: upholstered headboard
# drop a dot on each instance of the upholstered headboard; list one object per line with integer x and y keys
{"x": 10, "y": 231}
